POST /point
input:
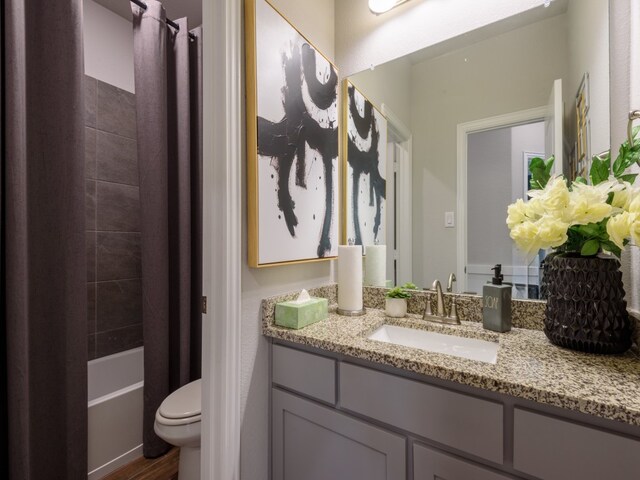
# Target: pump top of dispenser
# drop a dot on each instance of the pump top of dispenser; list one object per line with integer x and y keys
{"x": 497, "y": 275}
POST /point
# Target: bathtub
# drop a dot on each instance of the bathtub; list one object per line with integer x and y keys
{"x": 115, "y": 411}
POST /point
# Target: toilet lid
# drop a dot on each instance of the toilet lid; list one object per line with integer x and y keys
{"x": 183, "y": 403}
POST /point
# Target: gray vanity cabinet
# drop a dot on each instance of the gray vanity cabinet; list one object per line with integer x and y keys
{"x": 429, "y": 464}
{"x": 313, "y": 442}
{"x": 335, "y": 418}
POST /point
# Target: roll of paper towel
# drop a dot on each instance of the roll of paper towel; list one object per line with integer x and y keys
{"x": 375, "y": 265}
{"x": 350, "y": 277}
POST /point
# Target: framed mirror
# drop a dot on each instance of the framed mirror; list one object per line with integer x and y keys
{"x": 465, "y": 117}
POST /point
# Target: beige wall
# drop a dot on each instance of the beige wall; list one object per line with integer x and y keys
{"x": 589, "y": 46}
{"x": 108, "y": 46}
{"x": 363, "y": 39}
{"x": 315, "y": 19}
{"x": 390, "y": 84}
{"x": 504, "y": 74}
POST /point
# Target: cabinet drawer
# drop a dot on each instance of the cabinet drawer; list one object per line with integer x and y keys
{"x": 314, "y": 442}
{"x": 550, "y": 448}
{"x": 429, "y": 464}
{"x": 460, "y": 421}
{"x": 306, "y": 373}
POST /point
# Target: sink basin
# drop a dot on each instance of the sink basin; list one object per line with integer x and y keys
{"x": 471, "y": 348}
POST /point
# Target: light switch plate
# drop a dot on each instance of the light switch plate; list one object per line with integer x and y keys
{"x": 449, "y": 220}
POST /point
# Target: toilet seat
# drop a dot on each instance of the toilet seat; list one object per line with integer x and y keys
{"x": 182, "y": 407}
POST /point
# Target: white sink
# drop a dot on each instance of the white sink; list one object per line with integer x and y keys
{"x": 471, "y": 348}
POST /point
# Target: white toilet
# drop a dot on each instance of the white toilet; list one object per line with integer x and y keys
{"x": 178, "y": 423}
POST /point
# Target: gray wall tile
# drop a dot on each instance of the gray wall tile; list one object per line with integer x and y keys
{"x": 90, "y": 97}
{"x": 116, "y": 159}
{"x": 91, "y": 344}
{"x": 90, "y": 242}
{"x": 91, "y": 307}
{"x": 118, "y": 340}
{"x": 118, "y": 207}
{"x": 118, "y": 256}
{"x": 90, "y": 205}
{"x": 116, "y": 112}
{"x": 89, "y": 152}
{"x": 119, "y": 304}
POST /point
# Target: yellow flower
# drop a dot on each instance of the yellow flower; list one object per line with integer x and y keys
{"x": 589, "y": 203}
{"x": 622, "y": 198}
{"x": 554, "y": 199}
{"x": 619, "y": 227}
{"x": 517, "y": 213}
{"x": 525, "y": 236}
{"x": 552, "y": 232}
{"x": 634, "y": 205}
{"x": 635, "y": 231}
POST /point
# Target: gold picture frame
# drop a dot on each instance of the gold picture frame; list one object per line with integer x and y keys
{"x": 286, "y": 242}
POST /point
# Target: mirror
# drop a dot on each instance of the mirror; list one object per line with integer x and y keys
{"x": 464, "y": 118}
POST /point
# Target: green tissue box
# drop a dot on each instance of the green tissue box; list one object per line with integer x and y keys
{"x": 299, "y": 315}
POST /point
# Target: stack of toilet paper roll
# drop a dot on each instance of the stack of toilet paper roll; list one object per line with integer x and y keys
{"x": 375, "y": 265}
{"x": 349, "y": 279}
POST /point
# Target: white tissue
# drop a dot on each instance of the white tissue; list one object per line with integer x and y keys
{"x": 302, "y": 298}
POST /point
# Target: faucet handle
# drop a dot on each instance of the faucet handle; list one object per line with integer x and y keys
{"x": 427, "y": 309}
{"x": 453, "y": 314}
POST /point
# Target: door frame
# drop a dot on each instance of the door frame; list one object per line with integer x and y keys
{"x": 404, "y": 220}
{"x": 520, "y": 117}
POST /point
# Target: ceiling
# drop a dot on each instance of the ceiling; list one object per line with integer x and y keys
{"x": 192, "y": 9}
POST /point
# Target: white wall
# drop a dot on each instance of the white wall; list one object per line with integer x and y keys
{"x": 108, "y": 46}
{"x": 314, "y": 18}
{"x": 589, "y": 46}
{"x": 363, "y": 39}
{"x": 504, "y": 74}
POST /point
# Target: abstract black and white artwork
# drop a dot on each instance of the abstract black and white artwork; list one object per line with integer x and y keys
{"x": 296, "y": 92}
{"x": 365, "y": 171}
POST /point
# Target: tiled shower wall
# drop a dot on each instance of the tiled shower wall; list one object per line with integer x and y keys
{"x": 113, "y": 220}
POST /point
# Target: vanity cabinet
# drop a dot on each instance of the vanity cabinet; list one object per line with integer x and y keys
{"x": 429, "y": 464}
{"x": 314, "y": 442}
{"x": 337, "y": 418}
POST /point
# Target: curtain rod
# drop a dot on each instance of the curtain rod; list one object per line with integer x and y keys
{"x": 171, "y": 23}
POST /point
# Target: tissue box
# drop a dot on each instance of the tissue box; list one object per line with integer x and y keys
{"x": 299, "y": 315}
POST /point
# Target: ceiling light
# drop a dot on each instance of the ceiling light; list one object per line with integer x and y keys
{"x": 382, "y": 6}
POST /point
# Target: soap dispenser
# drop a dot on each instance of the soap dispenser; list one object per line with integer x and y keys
{"x": 496, "y": 303}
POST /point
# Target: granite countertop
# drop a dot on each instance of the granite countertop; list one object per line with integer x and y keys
{"x": 528, "y": 365}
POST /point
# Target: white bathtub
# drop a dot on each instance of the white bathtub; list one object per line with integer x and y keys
{"x": 115, "y": 411}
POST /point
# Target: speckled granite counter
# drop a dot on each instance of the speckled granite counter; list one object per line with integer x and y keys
{"x": 528, "y": 365}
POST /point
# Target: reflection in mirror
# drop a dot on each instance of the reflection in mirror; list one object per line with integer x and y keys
{"x": 477, "y": 109}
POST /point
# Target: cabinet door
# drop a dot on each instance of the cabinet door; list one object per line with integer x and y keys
{"x": 429, "y": 464}
{"x": 313, "y": 442}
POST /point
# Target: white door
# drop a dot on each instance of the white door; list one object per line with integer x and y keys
{"x": 553, "y": 127}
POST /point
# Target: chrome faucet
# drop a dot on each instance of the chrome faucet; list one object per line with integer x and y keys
{"x": 452, "y": 279}
{"x": 441, "y": 315}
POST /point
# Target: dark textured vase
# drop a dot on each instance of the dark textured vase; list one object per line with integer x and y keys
{"x": 586, "y": 309}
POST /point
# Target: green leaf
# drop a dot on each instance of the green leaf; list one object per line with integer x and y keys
{"x": 590, "y": 248}
{"x": 609, "y": 246}
{"x": 590, "y": 230}
{"x": 630, "y": 177}
{"x": 540, "y": 172}
{"x": 599, "y": 170}
{"x": 581, "y": 180}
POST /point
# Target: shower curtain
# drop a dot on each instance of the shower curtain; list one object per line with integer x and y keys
{"x": 43, "y": 318}
{"x": 168, "y": 96}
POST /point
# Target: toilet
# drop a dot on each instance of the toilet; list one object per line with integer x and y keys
{"x": 178, "y": 423}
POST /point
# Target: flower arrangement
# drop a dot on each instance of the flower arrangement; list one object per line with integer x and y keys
{"x": 577, "y": 218}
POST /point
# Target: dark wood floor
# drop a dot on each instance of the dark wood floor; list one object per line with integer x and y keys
{"x": 161, "y": 468}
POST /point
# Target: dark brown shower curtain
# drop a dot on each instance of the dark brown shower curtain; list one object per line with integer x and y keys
{"x": 43, "y": 322}
{"x": 168, "y": 96}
